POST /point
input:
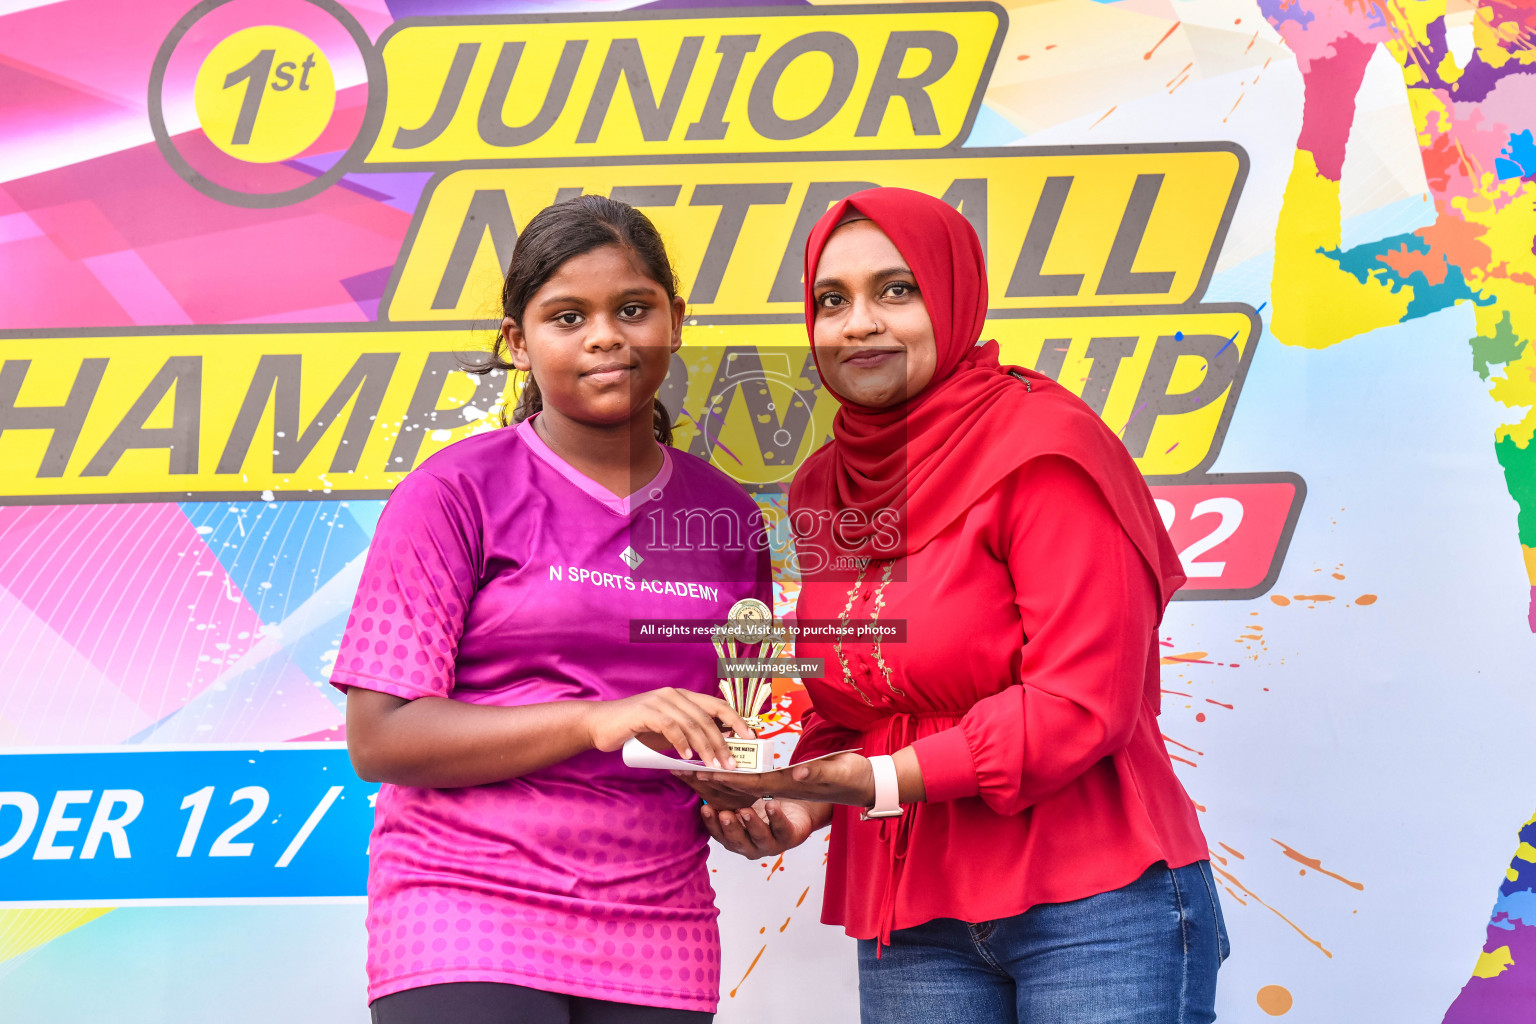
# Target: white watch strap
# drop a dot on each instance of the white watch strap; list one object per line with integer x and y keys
{"x": 887, "y": 792}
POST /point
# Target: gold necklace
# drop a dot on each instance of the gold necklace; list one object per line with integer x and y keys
{"x": 847, "y": 616}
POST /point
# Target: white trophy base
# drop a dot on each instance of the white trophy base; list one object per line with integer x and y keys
{"x": 768, "y": 755}
{"x": 750, "y": 755}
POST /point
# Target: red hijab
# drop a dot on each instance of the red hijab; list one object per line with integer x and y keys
{"x": 929, "y": 459}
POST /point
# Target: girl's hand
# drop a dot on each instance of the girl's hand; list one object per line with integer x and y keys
{"x": 718, "y": 797}
{"x": 845, "y": 778}
{"x": 768, "y": 827}
{"x": 684, "y": 720}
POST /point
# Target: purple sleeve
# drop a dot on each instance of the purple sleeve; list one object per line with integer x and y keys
{"x": 417, "y": 583}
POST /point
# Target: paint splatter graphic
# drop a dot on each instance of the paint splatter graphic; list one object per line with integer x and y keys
{"x": 1198, "y": 681}
{"x": 1274, "y": 1000}
{"x": 1471, "y": 82}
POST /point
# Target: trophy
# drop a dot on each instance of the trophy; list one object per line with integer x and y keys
{"x": 750, "y": 623}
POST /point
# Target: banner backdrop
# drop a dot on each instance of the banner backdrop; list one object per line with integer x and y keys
{"x": 1285, "y": 250}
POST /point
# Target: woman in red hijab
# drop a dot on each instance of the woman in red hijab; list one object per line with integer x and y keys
{"x": 1009, "y": 842}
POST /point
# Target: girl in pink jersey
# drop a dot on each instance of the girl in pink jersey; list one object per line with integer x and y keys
{"x": 519, "y": 871}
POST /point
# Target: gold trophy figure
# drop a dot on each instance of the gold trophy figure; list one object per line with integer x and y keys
{"x": 750, "y": 624}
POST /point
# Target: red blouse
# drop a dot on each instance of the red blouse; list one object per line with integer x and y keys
{"x": 1028, "y": 686}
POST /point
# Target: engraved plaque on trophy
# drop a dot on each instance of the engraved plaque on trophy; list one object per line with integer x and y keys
{"x": 746, "y": 644}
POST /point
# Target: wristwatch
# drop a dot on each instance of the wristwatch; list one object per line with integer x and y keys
{"x": 887, "y": 794}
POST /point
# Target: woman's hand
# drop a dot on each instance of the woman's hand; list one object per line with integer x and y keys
{"x": 684, "y": 720}
{"x": 845, "y": 778}
{"x": 718, "y": 797}
{"x": 768, "y": 827}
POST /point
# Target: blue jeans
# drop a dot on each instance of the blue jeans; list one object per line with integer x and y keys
{"x": 1143, "y": 954}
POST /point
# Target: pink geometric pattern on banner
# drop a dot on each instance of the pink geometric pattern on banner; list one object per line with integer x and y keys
{"x": 54, "y": 696}
{"x": 16, "y": 226}
{"x": 74, "y": 76}
{"x": 42, "y": 287}
{"x": 35, "y": 107}
{"x": 80, "y": 229}
{"x": 212, "y": 287}
{"x": 134, "y": 589}
{"x": 136, "y": 288}
{"x": 266, "y": 703}
{"x": 100, "y": 48}
{"x": 74, "y": 79}
{"x": 346, "y": 312}
{"x": 215, "y": 263}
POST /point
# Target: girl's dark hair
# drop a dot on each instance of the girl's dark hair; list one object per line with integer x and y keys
{"x": 559, "y": 233}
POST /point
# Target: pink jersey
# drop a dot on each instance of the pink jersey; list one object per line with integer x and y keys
{"x": 500, "y": 575}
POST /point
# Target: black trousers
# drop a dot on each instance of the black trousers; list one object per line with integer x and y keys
{"x": 488, "y": 1002}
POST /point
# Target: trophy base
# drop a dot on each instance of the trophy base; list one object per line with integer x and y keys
{"x": 750, "y": 755}
{"x": 753, "y": 757}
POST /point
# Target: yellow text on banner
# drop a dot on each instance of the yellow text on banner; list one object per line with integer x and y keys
{"x": 747, "y": 397}
{"x": 230, "y": 412}
{"x": 673, "y": 83}
{"x": 1133, "y": 227}
{"x": 242, "y": 413}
